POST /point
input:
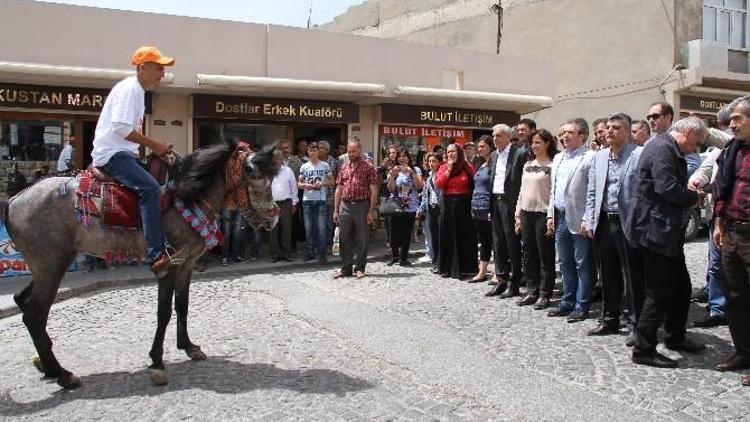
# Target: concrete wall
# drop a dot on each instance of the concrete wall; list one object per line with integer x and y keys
{"x": 608, "y": 55}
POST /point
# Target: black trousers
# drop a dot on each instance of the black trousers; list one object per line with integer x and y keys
{"x": 735, "y": 256}
{"x": 484, "y": 235}
{"x": 434, "y": 221}
{"x": 458, "y": 240}
{"x": 621, "y": 272}
{"x": 401, "y": 227}
{"x": 281, "y": 234}
{"x": 539, "y": 254}
{"x": 507, "y": 243}
{"x": 668, "y": 292}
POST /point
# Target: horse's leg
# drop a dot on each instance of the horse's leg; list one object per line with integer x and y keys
{"x": 181, "y": 303}
{"x": 35, "y": 301}
{"x": 163, "y": 315}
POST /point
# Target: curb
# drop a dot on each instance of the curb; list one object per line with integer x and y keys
{"x": 234, "y": 271}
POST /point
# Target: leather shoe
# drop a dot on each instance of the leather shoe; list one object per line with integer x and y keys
{"x": 736, "y": 362}
{"x": 528, "y": 300}
{"x": 710, "y": 321}
{"x": 510, "y": 292}
{"x": 630, "y": 342}
{"x": 686, "y": 345}
{"x": 578, "y": 316}
{"x": 604, "y": 329}
{"x": 497, "y": 290}
{"x": 655, "y": 359}
{"x": 542, "y": 303}
{"x": 559, "y": 312}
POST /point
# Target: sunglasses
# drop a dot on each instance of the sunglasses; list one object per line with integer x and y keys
{"x": 653, "y": 116}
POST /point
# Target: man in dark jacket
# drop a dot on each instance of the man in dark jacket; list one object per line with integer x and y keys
{"x": 506, "y": 167}
{"x": 656, "y": 227}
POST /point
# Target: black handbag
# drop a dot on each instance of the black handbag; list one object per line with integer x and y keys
{"x": 390, "y": 207}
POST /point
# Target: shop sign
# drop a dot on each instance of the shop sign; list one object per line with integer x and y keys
{"x": 423, "y": 132}
{"x": 273, "y": 109}
{"x": 11, "y": 261}
{"x": 57, "y": 97}
{"x": 702, "y": 104}
{"x": 443, "y": 116}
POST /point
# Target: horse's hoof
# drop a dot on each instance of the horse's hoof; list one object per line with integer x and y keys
{"x": 37, "y": 362}
{"x": 195, "y": 353}
{"x": 68, "y": 381}
{"x": 158, "y": 376}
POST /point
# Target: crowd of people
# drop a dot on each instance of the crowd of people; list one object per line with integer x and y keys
{"x": 611, "y": 209}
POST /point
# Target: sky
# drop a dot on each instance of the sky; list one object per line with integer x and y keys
{"x": 280, "y": 12}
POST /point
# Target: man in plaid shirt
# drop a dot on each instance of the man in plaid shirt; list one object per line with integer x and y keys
{"x": 354, "y": 209}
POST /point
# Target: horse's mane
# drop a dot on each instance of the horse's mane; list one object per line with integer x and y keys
{"x": 196, "y": 173}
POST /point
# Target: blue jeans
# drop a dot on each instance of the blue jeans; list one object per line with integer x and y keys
{"x": 124, "y": 168}
{"x": 234, "y": 235}
{"x": 717, "y": 300}
{"x": 574, "y": 252}
{"x": 315, "y": 215}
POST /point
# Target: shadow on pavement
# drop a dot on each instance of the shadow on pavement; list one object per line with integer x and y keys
{"x": 216, "y": 374}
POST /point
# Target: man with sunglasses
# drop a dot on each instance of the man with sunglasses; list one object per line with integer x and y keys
{"x": 660, "y": 116}
{"x": 119, "y": 134}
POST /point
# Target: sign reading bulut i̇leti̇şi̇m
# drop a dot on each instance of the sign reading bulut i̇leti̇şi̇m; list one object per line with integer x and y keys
{"x": 273, "y": 109}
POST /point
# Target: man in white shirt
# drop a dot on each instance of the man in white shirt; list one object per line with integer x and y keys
{"x": 118, "y": 137}
{"x": 65, "y": 160}
{"x": 506, "y": 167}
{"x": 284, "y": 191}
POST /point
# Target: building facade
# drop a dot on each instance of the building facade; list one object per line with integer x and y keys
{"x": 609, "y": 55}
{"x": 257, "y": 83}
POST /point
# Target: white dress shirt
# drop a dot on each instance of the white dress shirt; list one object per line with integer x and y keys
{"x": 498, "y": 185}
{"x": 284, "y": 186}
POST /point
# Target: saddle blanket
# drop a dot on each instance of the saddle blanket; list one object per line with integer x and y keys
{"x": 115, "y": 204}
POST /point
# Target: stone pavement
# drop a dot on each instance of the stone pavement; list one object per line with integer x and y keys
{"x": 401, "y": 344}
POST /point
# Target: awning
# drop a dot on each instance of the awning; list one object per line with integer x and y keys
{"x": 79, "y": 72}
{"x": 512, "y": 102}
{"x": 290, "y": 84}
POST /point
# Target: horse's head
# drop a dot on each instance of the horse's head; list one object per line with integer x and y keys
{"x": 260, "y": 170}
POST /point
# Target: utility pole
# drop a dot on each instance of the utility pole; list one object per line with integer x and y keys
{"x": 498, "y": 10}
{"x": 309, "y": 15}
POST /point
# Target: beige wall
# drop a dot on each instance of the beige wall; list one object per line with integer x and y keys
{"x": 608, "y": 55}
{"x": 170, "y": 107}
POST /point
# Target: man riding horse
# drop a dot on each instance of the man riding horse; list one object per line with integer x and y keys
{"x": 118, "y": 137}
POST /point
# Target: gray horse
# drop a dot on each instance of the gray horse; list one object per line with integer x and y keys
{"x": 44, "y": 227}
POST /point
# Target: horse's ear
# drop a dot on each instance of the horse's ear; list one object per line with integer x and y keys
{"x": 264, "y": 163}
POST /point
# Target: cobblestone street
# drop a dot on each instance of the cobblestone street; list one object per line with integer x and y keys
{"x": 401, "y": 344}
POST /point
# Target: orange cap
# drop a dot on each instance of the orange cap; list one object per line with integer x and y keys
{"x": 148, "y": 54}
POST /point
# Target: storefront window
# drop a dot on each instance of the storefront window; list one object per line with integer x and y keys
{"x": 32, "y": 140}
{"x": 210, "y": 133}
{"x": 419, "y": 140}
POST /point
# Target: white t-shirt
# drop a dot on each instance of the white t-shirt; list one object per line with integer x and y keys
{"x": 125, "y": 105}
{"x": 310, "y": 173}
{"x": 66, "y": 155}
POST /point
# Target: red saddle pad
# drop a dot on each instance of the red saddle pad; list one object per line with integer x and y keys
{"x": 113, "y": 202}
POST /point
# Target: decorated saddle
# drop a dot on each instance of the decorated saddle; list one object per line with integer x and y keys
{"x": 99, "y": 196}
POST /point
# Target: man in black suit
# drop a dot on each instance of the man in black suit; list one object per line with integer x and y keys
{"x": 656, "y": 226}
{"x": 506, "y": 167}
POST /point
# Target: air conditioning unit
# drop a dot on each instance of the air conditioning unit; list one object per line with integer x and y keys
{"x": 706, "y": 55}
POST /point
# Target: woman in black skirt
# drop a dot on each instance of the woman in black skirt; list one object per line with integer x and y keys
{"x": 458, "y": 241}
